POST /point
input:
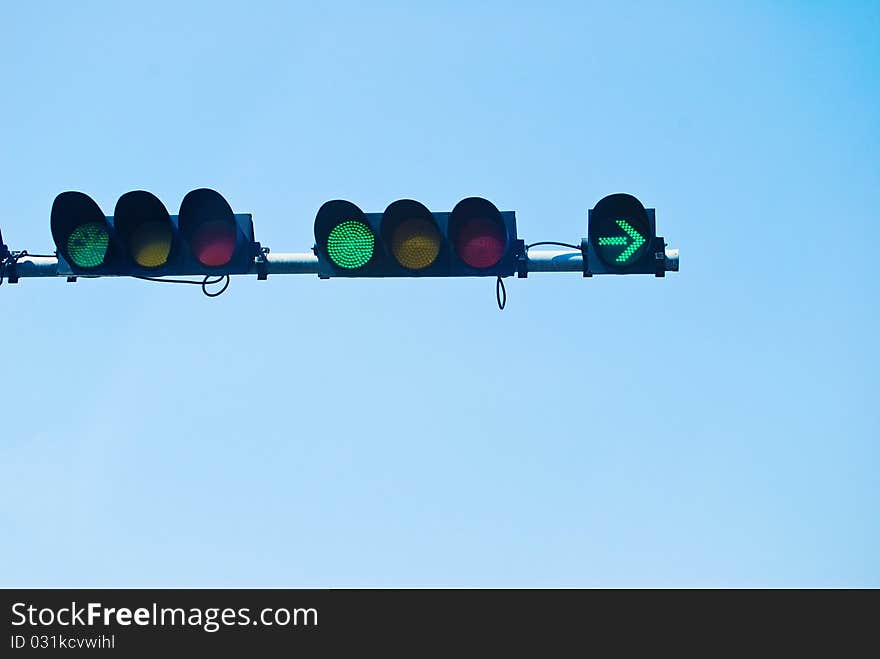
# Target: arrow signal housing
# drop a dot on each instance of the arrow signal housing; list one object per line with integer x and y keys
{"x": 604, "y": 230}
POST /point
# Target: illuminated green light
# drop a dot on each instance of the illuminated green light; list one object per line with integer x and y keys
{"x": 350, "y": 244}
{"x": 87, "y": 245}
{"x": 632, "y": 241}
{"x": 637, "y": 241}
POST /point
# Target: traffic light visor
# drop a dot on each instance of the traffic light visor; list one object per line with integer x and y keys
{"x": 478, "y": 233}
{"x": 207, "y": 221}
{"x": 80, "y": 230}
{"x": 620, "y": 230}
{"x": 411, "y": 232}
{"x": 144, "y": 228}
{"x": 344, "y": 235}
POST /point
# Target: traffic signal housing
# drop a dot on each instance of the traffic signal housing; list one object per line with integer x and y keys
{"x": 142, "y": 239}
{"x": 622, "y": 239}
{"x": 475, "y": 239}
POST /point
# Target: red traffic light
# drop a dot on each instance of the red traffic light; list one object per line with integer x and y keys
{"x": 207, "y": 221}
{"x": 478, "y": 233}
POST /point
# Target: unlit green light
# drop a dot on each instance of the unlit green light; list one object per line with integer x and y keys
{"x": 350, "y": 244}
{"x": 87, "y": 245}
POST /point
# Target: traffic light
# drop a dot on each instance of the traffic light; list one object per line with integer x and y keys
{"x": 82, "y": 233}
{"x": 142, "y": 239}
{"x": 622, "y": 239}
{"x": 144, "y": 229}
{"x": 408, "y": 240}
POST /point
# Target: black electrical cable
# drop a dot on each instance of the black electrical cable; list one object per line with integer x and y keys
{"x": 550, "y": 242}
{"x": 500, "y": 293}
{"x": 11, "y": 258}
{"x": 207, "y": 281}
{"x": 23, "y": 253}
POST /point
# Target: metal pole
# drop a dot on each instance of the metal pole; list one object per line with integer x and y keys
{"x": 555, "y": 260}
{"x": 306, "y": 263}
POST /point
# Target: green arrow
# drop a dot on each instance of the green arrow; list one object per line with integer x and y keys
{"x": 637, "y": 241}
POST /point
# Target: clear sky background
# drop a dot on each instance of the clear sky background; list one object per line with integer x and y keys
{"x": 718, "y": 427}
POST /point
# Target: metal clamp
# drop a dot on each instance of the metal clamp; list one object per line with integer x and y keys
{"x": 8, "y": 261}
{"x": 262, "y": 262}
{"x": 521, "y": 259}
{"x": 585, "y": 250}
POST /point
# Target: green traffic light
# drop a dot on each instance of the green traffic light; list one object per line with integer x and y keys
{"x": 632, "y": 242}
{"x": 87, "y": 245}
{"x": 350, "y": 244}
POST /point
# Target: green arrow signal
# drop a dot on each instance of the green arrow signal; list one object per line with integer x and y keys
{"x": 637, "y": 241}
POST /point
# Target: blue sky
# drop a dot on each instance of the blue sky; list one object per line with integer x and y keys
{"x": 718, "y": 427}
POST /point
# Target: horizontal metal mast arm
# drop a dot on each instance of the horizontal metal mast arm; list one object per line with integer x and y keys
{"x": 555, "y": 260}
{"x": 571, "y": 260}
{"x": 306, "y": 263}
{"x": 34, "y": 266}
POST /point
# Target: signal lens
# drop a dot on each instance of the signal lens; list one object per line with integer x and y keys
{"x": 480, "y": 243}
{"x": 150, "y": 244}
{"x": 350, "y": 244}
{"x": 87, "y": 245}
{"x": 415, "y": 243}
{"x": 213, "y": 243}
